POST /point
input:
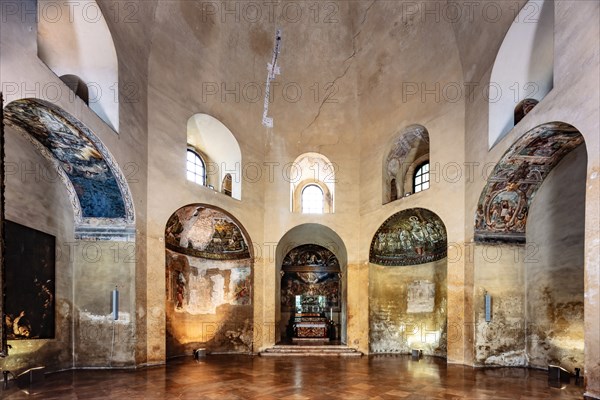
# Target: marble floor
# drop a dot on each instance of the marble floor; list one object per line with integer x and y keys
{"x": 247, "y": 377}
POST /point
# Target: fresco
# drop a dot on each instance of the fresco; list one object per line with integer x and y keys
{"x": 410, "y": 237}
{"x": 201, "y": 287}
{"x": 421, "y": 297}
{"x": 205, "y": 233}
{"x": 504, "y": 204}
{"x": 412, "y": 143}
{"x": 93, "y": 177}
{"x": 311, "y": 270}
{"x": 30, "y": 270}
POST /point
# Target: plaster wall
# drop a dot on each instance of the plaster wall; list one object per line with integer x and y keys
{"x": 25, "y": 76}
{"x": 176, "y": 94}
{"x": 405, "y": 82}
{"x": 563, "y": 103}
{"x": 213, "y": 314}
{"x": 99, "y": 267}
{"x": 392, "y": 327}
{"x": 500, "y": 272}
{"x": 554, "y": 280}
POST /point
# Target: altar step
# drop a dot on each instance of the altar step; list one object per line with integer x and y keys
{"x": 285, "y": 350}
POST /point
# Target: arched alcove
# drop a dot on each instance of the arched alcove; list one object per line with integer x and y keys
{"x": 312, "y": 169}
{"x": 408, "y": 150}
{"x": 408, "y": 284}
{"x": 317, "y": 249}
{"x": 523, "y": 108}
{"x": 529, "y": 257}
{"x": 220, "y": 150}
{"x": 77, "y": 86}
{"x": 73, "y": 38}
{"x": 524, "y": 66}
{"x": 209, "y": 280}
{"x": 99, "y": 192}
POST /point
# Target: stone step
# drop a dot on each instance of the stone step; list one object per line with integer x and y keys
{"x": 312, "y": 347}
{"x": 314, "y": 351}
{"x": 273, "y": 354}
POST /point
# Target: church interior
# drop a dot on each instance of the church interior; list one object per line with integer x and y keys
{"x": 237, "y": 199}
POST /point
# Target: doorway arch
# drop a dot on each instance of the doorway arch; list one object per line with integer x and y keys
{"x": 327, "y": 239}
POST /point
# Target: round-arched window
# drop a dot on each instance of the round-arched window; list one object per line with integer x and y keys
{"x": 312, "y": 200}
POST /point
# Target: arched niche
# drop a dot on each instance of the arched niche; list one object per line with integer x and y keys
{"x": 73, "y": 38}
{"x": 408, "y": 149}
{"x": 302, "y": 241}
{"x": 524, "y": 66}
{"x": 98, "y": 189}
{"x": 529, "y": 254}
{"x": 408, "y": 284}
{"x": 312, "y": 169}
{"x": 504, "y": 203}
{"x": 313, "y": 273}
{"x": 77, "y": 86}
{"x": 523, "y": 108}
{"x": 209, "y": 281}
{"x": 220, "y": 150}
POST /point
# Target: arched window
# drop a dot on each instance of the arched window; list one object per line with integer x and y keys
{"x": 196, "y": 170}
{"x": 226, "y": 185}
{"x": 312, "y": 169}
{"x": 312, "y": 200}
{"x": 78, "y": 42}
{"x": 220, "y": 152}
{"x": 421, "y": 180}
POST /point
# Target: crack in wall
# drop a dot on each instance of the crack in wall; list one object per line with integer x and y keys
{"x": 351, "y": 59}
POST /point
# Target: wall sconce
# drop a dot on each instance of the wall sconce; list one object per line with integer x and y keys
{"x": 487, "y": 300}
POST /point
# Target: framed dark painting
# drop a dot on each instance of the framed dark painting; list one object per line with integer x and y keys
{"x": 30, "y": 283}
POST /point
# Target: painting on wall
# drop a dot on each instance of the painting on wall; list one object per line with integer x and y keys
{"x": 311, "y": 270}
{"x": 201, "y": 287}
{"x": 205, "y": 233}
{"x": 30, "y": 283}
{"x": 420, "y": 297}
{"x": 410, "y": 237}
{"x": 81, "y": 157}
{"x": 504, "y": 204}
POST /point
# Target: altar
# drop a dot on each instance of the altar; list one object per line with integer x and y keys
{"x": 309, "y": 321}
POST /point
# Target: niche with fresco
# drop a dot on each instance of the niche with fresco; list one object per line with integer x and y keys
{"x": 504, "y": 204}
{"x": 208, "y": 283}
{"x": 408, "y": 285}
{"x": 310, "y": 270}
{"x": 409, "y": 237}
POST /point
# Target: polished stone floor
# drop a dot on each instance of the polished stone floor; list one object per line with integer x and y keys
{"x": 246, "y": 377}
